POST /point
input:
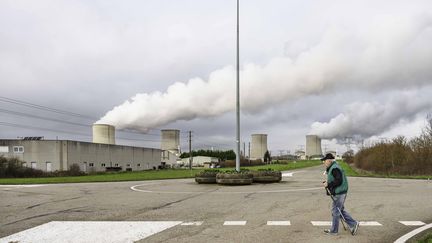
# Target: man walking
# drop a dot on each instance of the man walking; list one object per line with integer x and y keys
{"x": 337, "y": 186}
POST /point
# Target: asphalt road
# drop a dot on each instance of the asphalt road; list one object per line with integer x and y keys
{"x": 197, "y": 213}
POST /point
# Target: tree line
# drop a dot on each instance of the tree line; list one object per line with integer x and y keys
{"x": 399, "y": 155}
{"x": 222, "y": 155}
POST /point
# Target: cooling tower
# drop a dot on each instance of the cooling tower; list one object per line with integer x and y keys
{"x": 258, "y": 146}
{"x": 103, "y": 133}
{"x": 313, "y": 146}
{"x": 171, "y": 140}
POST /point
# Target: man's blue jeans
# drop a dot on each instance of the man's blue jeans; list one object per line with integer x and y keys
{"x": 338, "y": 202}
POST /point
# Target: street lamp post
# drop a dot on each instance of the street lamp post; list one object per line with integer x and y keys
{"x": 238, "y": 96}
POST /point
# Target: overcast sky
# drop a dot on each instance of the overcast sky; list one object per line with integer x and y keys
{"x": 337, "y": 69}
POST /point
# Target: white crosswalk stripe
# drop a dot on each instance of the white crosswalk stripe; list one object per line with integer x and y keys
{"x": 279, "y": 223}
{"x": 321, "y": 223}
{"x": 370, "y": 223}
{"x": 412, "y": 223}
{"x": 193, "y": 223}
{"x": 82, "y": 231}
{"x": 362, "y": 223}
{"x": 230, "y": 223}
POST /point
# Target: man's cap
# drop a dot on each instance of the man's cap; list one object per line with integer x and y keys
{"x": 327, "y": 156}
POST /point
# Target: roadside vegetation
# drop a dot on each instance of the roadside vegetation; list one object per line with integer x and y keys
{"x": 146, "y": 175}
{"x": 397, "y": 158}
{"x": 426, "y": 239}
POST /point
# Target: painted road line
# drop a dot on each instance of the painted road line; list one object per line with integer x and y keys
{"x": 321, "y": 223}
{"x": 91, "y": 231}
{"x": 407, "y": 236}
{"x": 193, "y": 223}
{"x": 135, "y": 188}
{"x": 362, "y": 223}
{"x": 287, "y": 174}
{"x": 281, "y": 223}
{"x": 370, "y": 223}
{"x": 412, "y": 223}
{"x": 20, "y": 186}
{"x": 230, "y": 223}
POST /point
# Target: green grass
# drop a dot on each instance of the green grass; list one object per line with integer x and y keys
{"x": 352, "y": 172}
{"x": 426, "y": 239}
{"x": 348, "y": 170}
{"x": 144, "y": 175}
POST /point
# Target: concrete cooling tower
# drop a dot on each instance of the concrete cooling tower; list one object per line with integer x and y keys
{"x": 313, "y": 146}
{"x": 170, "y": 140}
{"x": 103, "y": 133}
{"x": 258, "y": 146}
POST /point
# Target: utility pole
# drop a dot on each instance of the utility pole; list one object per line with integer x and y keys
{"x": 244, "y": 149}
{"x": 238, "y": 95}
{"x": 249, "y": 153}
{"x": 190, "y": 150}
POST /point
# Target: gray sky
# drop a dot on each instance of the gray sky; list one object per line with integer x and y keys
{"x": 334, "y": 68}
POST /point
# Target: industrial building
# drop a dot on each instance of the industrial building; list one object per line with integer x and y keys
{"x": 204, "y": 161}
{"x": 258, "y": 146}
{"x": 52, "y": 155}
{"x": 300, "y": 154}
{"x": 313, "y": 146}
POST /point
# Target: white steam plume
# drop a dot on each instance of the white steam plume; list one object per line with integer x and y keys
{"x": 391, "y": 55}
{"x": 363, "y": 120}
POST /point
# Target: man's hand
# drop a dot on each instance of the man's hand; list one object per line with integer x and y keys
{"x": 324, "y": 184}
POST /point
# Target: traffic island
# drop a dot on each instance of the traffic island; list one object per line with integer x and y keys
{"x": 266, "y": 176}
{"x": 234, "y": 178}
{"x": 206, "y": 177}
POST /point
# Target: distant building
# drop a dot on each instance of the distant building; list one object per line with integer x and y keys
{"x": 52, "y": 155}
{"x": 201, "y": 161}
{"x": 300, "y": 154}
{"x": 169, "y": 158}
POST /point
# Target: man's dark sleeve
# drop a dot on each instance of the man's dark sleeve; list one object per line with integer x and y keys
{"x": 337, "y": 174}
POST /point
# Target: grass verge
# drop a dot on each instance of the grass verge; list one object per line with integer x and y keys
{"x": 350, "y": 171}
{"x": 144, "y": 175}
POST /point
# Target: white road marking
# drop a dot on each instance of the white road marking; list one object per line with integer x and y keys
{"x": 407, "y": 236}
{"x": 91, "y": 231}
{"x": 134, "y": 188}
{"x": 329, "y": 223}
{"x": 234, "y": 223}
{"x": 370, "y": 223}
{"x": 20, "y": 186}
{"x": 194, "y": 223}
{"x": 412, "y": 223}
{"x": 321, "y": 223}
{"x": 289, "y": 174}
{"x": 281, "y": 223}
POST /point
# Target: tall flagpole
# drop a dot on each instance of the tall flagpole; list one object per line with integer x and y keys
{"x": 238, "y": 96}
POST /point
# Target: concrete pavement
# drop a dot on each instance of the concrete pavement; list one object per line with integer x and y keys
{"x": 201, "y": 211}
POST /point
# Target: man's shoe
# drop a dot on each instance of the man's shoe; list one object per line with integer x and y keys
{"x": 328, "y": 232}
{"x": 355, "y": 228}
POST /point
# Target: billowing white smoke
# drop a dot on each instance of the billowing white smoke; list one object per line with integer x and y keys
{"x": 363, "y": 120}
{"x": 392, "y": 56}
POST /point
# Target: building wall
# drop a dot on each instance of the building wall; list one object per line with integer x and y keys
{"x": 200, "y": 160}
{"x": 89, "y": 156}
{"x": 39, "y": 152}
{"x": 93, "y": 156}
{"x": 169, "y": 157}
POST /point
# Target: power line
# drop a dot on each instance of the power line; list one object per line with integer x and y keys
{"x": 67, "y": 132}
{"x": 45, "y": 108}
{"x": 66, "y": 122}
{"x": 41, "y": 118}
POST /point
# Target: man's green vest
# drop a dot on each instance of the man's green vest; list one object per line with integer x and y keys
{"x": 343, "y": 188}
